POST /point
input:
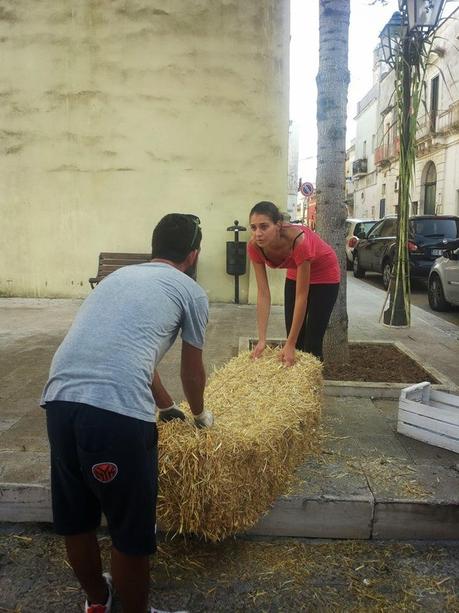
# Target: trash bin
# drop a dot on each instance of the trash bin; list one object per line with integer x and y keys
{"x": 236, "y": 257}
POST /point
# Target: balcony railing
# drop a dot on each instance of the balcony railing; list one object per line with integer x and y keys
{"x": 387, "y": 152}
{"x": 444, "y": 122}
{"x": 448, "y": 121}
{"x": 426, "y": 127}
{"x": 360, "y": 167}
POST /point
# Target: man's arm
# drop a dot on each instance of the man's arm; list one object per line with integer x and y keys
{"x": 167, "y": 409}
{"x": 162, "y": 397}
{"x": 193, "y": 377}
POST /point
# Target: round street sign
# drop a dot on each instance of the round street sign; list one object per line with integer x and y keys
{"x": 306, "y": 188}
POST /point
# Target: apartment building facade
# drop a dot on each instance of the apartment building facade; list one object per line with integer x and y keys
{"x": 375, "y": 176}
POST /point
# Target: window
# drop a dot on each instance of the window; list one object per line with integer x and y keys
{"x": 430, "y": 188}
{"x": 383, "y": 189}
{"x": 373, "y": 142}
{"x": 389, "y": 227}
{"x": 435, "y": 228}
{"x": 364, "y": 149}
{"x": 358, "y": 228}
{"x": 434, "y": 84}
{"x": 376, "y": 230}
{"x": 367, "y": 225}
{"x": 363, "y": 226}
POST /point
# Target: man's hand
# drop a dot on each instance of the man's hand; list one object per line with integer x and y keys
{"x": 172, "y": 412}
{"x": 259, "y": 348}
{"x": 204, "y": 419}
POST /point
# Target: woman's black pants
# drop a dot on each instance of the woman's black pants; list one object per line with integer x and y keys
{"x": 321, "y": 300}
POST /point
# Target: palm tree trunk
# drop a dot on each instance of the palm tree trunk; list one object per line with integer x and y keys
{"x": 332, "y": 85}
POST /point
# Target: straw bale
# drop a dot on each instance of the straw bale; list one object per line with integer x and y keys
{"x": 216, "y": 482}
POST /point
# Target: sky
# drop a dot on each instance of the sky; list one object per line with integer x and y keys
{"x": 366, "y": 23}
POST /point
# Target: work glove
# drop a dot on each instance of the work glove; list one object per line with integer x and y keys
{"x": 204, "y": 419}
{"x": 172, "y": 412}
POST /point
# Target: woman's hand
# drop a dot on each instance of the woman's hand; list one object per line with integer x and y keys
{"x": 287, "y": 355}
{"x": 259, "y": 348}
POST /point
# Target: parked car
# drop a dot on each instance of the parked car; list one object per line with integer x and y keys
{"x": 443, "y": 286}
{"x": 354, "y": 227}
{"x": 375, "y": 251}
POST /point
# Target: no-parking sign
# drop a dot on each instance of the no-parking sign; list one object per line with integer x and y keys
{"x": 306, "y": 188}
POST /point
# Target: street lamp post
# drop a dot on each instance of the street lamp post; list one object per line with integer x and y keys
{"x": 423, "y": 15}
{"x": 402, "y": 41}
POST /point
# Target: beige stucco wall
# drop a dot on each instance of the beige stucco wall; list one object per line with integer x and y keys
{"x": 444, "y": 150}
{"x": 114, "y": 112}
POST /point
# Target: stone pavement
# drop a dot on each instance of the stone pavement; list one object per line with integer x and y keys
{"x": 369, "y": 482}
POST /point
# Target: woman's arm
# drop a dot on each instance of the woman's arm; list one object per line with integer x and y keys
{"x": 303, "y": 277}
{"x": 263, "y": 306}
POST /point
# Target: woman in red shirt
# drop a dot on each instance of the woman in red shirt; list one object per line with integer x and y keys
{"x": 311, "y": 285}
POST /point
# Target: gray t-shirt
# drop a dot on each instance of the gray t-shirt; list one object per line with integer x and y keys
{"x": 121, "y": 332}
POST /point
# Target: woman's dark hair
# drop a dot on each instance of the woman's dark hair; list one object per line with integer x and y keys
{"x": 175, "y": 236}
{"x": 269, "y": 209}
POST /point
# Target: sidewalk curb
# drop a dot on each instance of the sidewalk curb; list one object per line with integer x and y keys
{"x": 347, "y": 517}
{"x": 25, "y": 503}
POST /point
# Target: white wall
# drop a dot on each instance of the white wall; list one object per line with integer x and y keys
{"x": 366, "y": 200}
{"x": 115, "y": 112}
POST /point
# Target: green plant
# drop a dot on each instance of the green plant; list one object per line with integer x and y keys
{"x": 410, "y": 65}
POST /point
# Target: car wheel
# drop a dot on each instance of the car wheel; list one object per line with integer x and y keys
{"x": 358, "y": 271}
{"x": 386, "y": 274}
{"x": 436, "y": 295}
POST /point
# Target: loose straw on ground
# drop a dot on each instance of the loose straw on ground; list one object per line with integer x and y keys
{"x": 216, "y": 482}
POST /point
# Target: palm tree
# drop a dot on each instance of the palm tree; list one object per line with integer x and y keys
{"x": 332, "y": 86}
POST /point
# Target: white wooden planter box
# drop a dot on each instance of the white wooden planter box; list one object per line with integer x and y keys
{"x": 430, "y": 416}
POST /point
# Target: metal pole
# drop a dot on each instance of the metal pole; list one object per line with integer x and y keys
{"x": 236, "y": 278}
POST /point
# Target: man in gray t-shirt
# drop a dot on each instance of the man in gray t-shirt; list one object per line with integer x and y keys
{"x": 101, "y": 409}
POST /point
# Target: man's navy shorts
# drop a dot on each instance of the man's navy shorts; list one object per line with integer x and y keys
{"x": 104, "y": 462}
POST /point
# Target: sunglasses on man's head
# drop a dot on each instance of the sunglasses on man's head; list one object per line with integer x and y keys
{"x": 195, "y": 219}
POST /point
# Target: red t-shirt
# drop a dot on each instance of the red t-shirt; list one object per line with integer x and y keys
{"x": 324, "y": 263}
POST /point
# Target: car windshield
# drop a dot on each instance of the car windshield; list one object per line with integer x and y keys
{"x": 435, "y": 228}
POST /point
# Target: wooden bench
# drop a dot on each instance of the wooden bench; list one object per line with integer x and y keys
{"x": 109, "y": 262}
